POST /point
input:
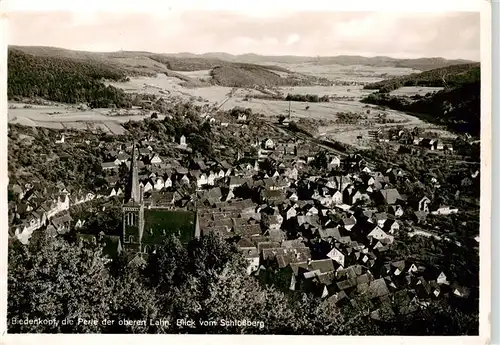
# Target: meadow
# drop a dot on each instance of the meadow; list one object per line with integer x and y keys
{"x": 345, "y": 98}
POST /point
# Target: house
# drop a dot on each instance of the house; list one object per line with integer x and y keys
{"x": 159, "y": 183}
{"x": 79, "y": 223}
{"x": 271, "y": 196}
{"x": 387, "y": 196}
{"x": 148, "y": 185}
{"x": 269, "y": 144}
{"x": 122, "y": 157}
{"x": 199, "y": 178}
{"x": 422, "y": 204}
{"x": 444, "y": 210}
{"x": 398, "y": 267}
{"x": 235, "y": 181}
{"x": 155, "y": 159}
{"x": 272, "y": 222}
{"x": 428, "y": 143}
{"x": 396, "y": 210}
{"x": 168, "y": 181}
{"x": 333, "y": 163}
{"x": 211, "y": 177}
{"x": 291, "y": 213}
{"x": 60, "y": 140}
{"x": 419, "y": 216}
{"x": 442, "y": 280}
{"x": 380, "y": 218}
{"x": 336, "y": 197}
{"x": 348, "y": 223}
{"x": 109, "y": 165}
{"x": 353, "y": 195}
{"x": 379, "y": 235}
{"x": 336, "y": 256}
{"x": 62, "y": 224}
{"x": 182, "y": 141}
{"x": 293, "y": 197}
{"x": 391, "y": 226}
{"x": 292, "y": 173}
{"x": 312, "y": 211}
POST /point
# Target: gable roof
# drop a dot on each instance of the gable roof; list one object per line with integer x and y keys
{"x": 390, "y": 196}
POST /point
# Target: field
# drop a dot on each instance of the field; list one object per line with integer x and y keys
{"x": 364, "y": 74}
{"x": 63, "y": 116}
{"x": 346, "y": 92}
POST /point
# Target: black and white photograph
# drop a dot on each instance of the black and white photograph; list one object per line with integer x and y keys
{"x": 284, "y": 172}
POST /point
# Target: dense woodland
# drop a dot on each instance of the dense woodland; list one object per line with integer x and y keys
{"x": 449, "y": 77}
{"x": 307, "y": 98}
{"x": 457, "y": 108}
{"x": 203, "y": 280}
{"x": 64, "y": 80}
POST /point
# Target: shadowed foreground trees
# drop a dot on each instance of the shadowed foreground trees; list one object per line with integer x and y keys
{"x": 203, "y": 280}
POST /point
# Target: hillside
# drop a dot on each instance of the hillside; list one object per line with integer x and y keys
{"x": 421, "y": 64}
{"x": 450, "y": 76}
{"x": 249, "y": 75}
{"x": 245, "y": 76}
{"x": 457, "y": 108}
{"x": 64, "y": 79}
{"x": 209, "y": 60}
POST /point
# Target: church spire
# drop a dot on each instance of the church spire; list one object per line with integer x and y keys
{"x": 133, "y": 192}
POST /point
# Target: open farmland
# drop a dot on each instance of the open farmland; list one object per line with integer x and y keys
{"x": 354, "y": 73}
{"x": 345, "y": 95}
{"x": 60, "y": 117}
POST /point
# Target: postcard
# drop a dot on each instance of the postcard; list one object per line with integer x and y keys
{"x": 252, "y": 169}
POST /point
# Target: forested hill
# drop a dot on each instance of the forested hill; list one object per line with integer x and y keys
{"x": 457, "y": 108}
{"x": 450, "y": 76}
{"x": 63, "y": 80}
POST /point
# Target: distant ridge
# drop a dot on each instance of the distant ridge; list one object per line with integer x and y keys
{"x": 422, "y": 64}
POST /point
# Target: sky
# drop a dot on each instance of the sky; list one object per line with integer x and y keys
{"x": 452, "y": 35}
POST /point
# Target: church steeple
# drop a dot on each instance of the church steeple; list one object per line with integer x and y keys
{"x": 133, "y": 192}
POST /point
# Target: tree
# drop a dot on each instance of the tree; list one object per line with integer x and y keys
{"x": 321, "y": 160}
{"x": 133, "y": 300}
{"x": 53, "y": 280}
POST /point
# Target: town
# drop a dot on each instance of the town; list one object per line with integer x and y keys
{"x": 322, "y": 218}
{"x": 217, "y": 172}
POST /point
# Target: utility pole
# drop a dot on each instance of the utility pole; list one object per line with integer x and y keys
{"x": 289, "y": 110}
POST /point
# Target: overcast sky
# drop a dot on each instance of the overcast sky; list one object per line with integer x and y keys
{"x": 400, "y": 35}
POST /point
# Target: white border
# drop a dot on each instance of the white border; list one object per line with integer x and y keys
{"x": 262, "y": 7}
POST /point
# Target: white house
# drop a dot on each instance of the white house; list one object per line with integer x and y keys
{"x": 168, "y": 182}
{"x": 378, "y": 234}
{"x": 291, "y": 213}
{"x": 60, "y": 140}
{"x": 269, "y": 144}
{"x": 211, "y": 178}
{"x": 334, "y": 162}
{"x": 156, "y": 159}
{"x": 336, "y": 256}
{"x": 444, "y": 211}
{"x": 159, "y": 183}
{"x": 182, "y": 141}
{"x": 442, "y": 280}
{"x": 336, "y": 198}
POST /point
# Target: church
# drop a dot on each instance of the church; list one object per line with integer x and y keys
{"x": 146, "y": 226}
